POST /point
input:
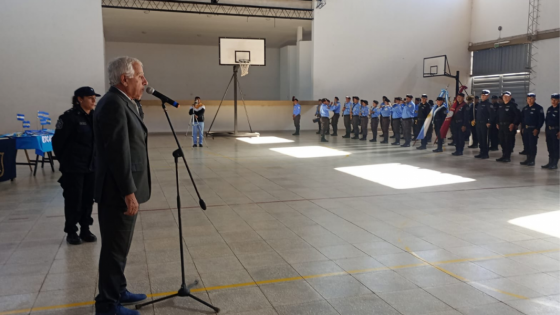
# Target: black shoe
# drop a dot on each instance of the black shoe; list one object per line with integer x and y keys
{"x": 194, "y": 145}
{"x": 334, "y": 134}
{"x": 547, "y": 164}
{"x": 405, "y": 145}
{"x": 295, "y": 134}
{"x": 484, "y": 157}
{"x": 396, "y": 143}
{"x": 324, "y": 140}
{"x": 318, "y": 132}
{"x": 451, "y": 144}
{"x": 531, "y": 163}
{"x": 372, "y": 140}
{"x": 392, "y": 136}
{"x": 200, "y": 145}
{"x": 494, "y": 149}
{"x": 524, "y": 162}
{"x": 354, "y": 138}
{"x": 522, "y": 153}
{"x": 384, "y": 142}
{"x": 474, "y": 146}
{"x": 87, "y": 236}
{"x": 363, "y": 139}
{"x": 382, "y": 136}
{"x": 421, "y": 148}
{"x": 450, "y": 138}
{"x": 500, "y": 159}
{"x": 346, "y": 136}
{"x": 73, "y": 239}
{"x": 506, "y": 160}
{"x": 553, "y": 165}
{"x": 457, "y": 153}
{"x": 478, "y": 156}
{"x": 437, "y": 150}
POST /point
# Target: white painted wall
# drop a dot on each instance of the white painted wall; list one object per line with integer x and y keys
{"x": 512, "y": 15}
{"x": 305, "y": 70}
{"x": 376, "y": 48}
{"x": 547, "y": 70}
{"x": 288, "y": 68}
{"x": 183, "y": 71}
{"x": 49, "y": 49}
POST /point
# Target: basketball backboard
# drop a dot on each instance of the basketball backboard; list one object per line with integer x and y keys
{"x": 436, "y": 66}
{"x": 236, "y": 50}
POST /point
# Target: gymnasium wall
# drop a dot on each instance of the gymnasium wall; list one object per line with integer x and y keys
{"x": 49, "y": 49}
{"x": 376, "y": 48}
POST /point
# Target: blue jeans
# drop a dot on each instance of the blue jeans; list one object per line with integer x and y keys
{"x": 197, "y": 132}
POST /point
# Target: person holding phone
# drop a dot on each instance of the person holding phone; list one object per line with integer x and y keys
{"x": 197, "y": 111}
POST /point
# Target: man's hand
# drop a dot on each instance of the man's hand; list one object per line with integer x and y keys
{"x": 535, "y": 132}
{"x": 521, "y": 131}
{"x": 131, "y": 205}
{"x": 498, "y": 126}
{"x": 463, "y": 129}
{"x": 195, "y": 116}
{"x": 488, "y": 125}
{"x": 511, "y": 127}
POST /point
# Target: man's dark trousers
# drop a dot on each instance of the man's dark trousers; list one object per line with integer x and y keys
{"x": 334, "y": 123}
{"x": 407, "y": 125}
{"x": 117, "y": 230}
{"x": 506, "y": 139}
{"x": 356, "y": 125}
{"x": 385, "y": 122}
{"x": 530, "y": 141}
{"x": 482, "y": 133}
{"x": 397, "y": 129}
{"x": 347, "y": 124}
{"x": 78, "y": 200}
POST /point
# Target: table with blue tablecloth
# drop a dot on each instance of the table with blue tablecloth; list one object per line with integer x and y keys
{"x": 38, "y": 140}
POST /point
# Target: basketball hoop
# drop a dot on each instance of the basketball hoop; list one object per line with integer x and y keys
{"x": 244, "y": 65}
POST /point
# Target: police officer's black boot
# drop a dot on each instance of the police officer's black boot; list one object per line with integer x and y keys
{"x": 323, "y": 139}
{"x": 553, "y": 165}
{"x": 526, "y": 162}
{"x": 73, "y": 239}
{"x": 547, "y": 164}
{"x": 522, "y": 153}
{"x": 373, "y": 140}
{"x": 87, "y": 236}
{"x": 296, "y": 133}
{"x": 532, "y": 161}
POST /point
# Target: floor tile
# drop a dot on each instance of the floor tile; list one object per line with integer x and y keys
{"x": 461, "y": 295}
{"x": 292, "y": 292}
{"x": 414, "y": 302}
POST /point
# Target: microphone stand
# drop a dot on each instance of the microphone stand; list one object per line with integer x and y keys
{"x": 185, "y": 290}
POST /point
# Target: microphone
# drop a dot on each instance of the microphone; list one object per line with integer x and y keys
{"x": 163, "y": 98}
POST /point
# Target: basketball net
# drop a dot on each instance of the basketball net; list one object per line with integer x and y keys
{"x": 244, "y": 65}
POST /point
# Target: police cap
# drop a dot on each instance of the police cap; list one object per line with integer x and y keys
{"x": 555, "y": 96}
{"x": 85, "y": 91}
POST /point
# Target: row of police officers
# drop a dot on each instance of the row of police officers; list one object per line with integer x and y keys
{"x": 492, "y": 121}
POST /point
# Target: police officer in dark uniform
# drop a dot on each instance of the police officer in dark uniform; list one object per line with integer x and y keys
{"x": 532, "y": 119}
{"x": 473, "y": 108}
{"x": 483, "y": 122}
{"x": 462, "y": 120}
{"x": 73, "y": 144}
{"x": 493, "y": 131}
{"x": 507, "y": 118}
{"x": 424, "y": 109}
{"x": 440, "y": 113}
{"x": 553, "y": 132}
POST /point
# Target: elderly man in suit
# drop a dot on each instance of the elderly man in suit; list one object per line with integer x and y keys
{"x": 122, "y": 179}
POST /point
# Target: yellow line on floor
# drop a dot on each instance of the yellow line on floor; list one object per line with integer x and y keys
{"x": 465, "y": 279}
{"x": 238, "y": 285}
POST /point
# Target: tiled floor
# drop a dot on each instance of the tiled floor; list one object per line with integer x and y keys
{"x": 286, "y": 235}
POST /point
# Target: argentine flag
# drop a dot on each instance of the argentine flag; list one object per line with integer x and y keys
{"x": 20, "y": 117}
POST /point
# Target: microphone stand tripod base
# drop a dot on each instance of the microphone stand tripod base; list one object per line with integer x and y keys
{"x": 233, "y": 134}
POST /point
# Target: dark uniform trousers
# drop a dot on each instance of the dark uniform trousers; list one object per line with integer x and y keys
{"x": 530, "y": 141}
{"x": 474, "y": 132}
{"x": 356, "y": 125}
{"x": 117, "y": 230}
{"x": 428, "y": 135}
{"x": 363, "y": 125}
{"x": 416, "y": 127}
{"x": 460, "y": 136}
{"x": 482, "y": 135}
{"x": 324, "y": 126}
{"x": 440, "y": 140}
{"x": 552, "y": 142}
{"x": 385, "y": 122}
{"x": 334, "y": 123}
{"x": 78, "y": 200}
{"x": 407, "y": 125}
{"x": 347, "y": 124}
{"x": 374, "y": 124}
{"x": 397, "y": 129}
{"x": 452, "y": 129}
{"x": 506, "y": 139}
{"x": 493, "y": 134}
{"x": 297, "y": 121}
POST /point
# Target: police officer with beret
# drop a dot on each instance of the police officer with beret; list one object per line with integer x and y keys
{"x": 482, "y": 122}
{"x": 532, "y": 119}
{"x": 507, "y": 118}
{"x": 73, "y": 144}
{"x": 553, "y": 132}
{"x": 461, "y": 118}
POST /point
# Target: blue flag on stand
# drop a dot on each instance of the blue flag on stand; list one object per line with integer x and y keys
{"x": 26, "y": 124}
{"x": 21, "y": 117}
{"x": 42, "y": 114}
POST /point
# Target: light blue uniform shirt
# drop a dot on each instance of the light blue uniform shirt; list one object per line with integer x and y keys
{"x": 364, "y": 111}
{"x": 324, "y": 110}
{"x": 415, "y": 110}
{"x": 297, "y": 109}
{"x": 397, "y": 111}
{"x": 347, "y": 109}
{"x": 375, "y": 111}
{"x": 408, "y": 110}
{"x": 356, "y": 108}
{"x": 386, "y": 110}
{"x": 336, "y": 108}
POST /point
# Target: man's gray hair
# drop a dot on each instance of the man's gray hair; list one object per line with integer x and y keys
{"x": 120, "y": 66}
